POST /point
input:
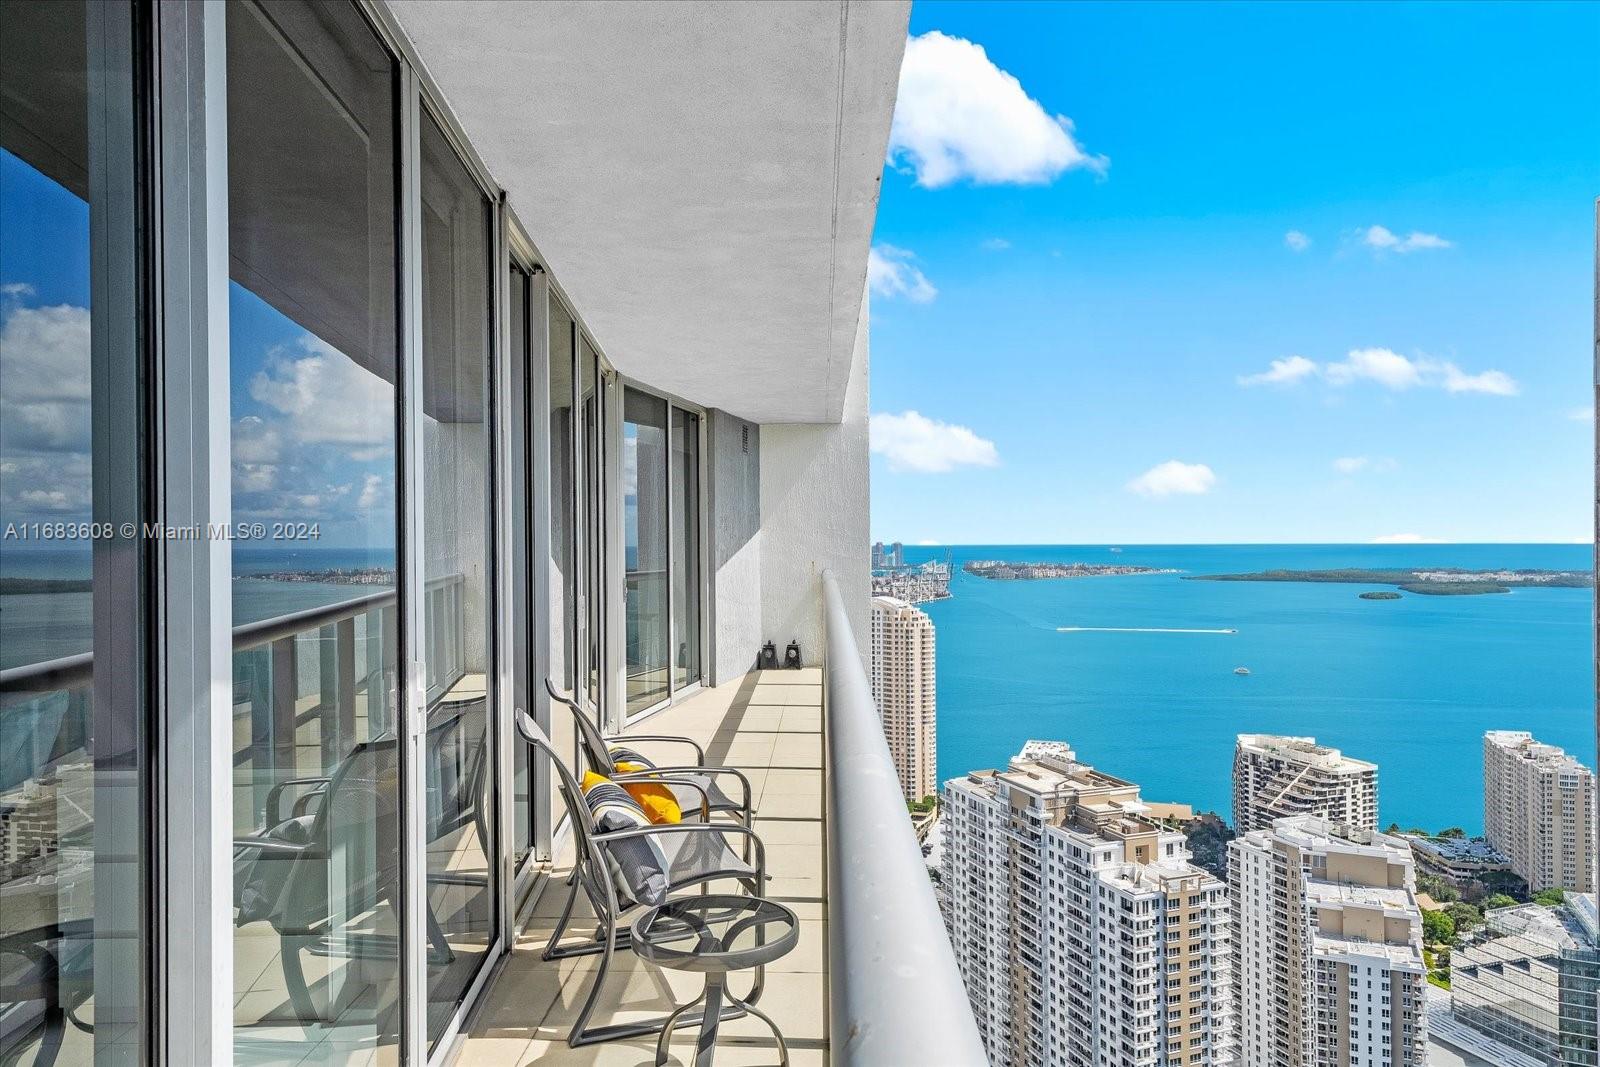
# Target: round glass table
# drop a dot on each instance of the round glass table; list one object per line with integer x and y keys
{"x": 715, "y": 935}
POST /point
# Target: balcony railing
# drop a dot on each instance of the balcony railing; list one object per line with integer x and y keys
{"x": 45, "y": 706}
{"x": 895, "y": 994}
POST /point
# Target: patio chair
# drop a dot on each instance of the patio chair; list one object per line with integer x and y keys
{"x": 601, "y": 754}
{"x": 695, "y": 854}
{"x": 284, "y": 874}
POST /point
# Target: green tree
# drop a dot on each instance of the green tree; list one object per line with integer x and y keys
{"x": 1393, "y": 828}
{"x": 1550, "y": 898}
{"x": 1452, "y": 833}
{"x": 1464, "y": 915}
{"x": 1499, "y": 900}
{"x": 1438, "y": 928}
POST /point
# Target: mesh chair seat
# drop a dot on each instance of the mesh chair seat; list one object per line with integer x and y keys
{"x": 689, "y": 796}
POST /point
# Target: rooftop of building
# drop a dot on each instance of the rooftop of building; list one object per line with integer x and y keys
{"x": 1305, "y": 750}
{"x": 1571, "y": 926}
{"x": 1311, "y": 831}
{"x": 1552, "y": 757}
{"x": 1456, "y": 849}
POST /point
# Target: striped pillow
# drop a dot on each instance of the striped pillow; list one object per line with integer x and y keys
{"x": 628, "y": 755}
{"x": 638, "y": 866}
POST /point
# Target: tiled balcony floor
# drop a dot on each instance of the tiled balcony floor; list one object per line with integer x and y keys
{"x": 768, "y": 725}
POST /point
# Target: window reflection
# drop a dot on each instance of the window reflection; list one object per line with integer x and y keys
{"x": 562, "y": 662}
{"x": 685, "y": 548}
{"x": 313, "y": 330}
{"x": 457, "y": 542}
{"x": 644, "y": 525}
{"x": 73, "y": 898}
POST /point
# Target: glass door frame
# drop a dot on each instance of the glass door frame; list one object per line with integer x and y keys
{"x": 618, "y": 572}
{"x": 525, "y": 628}
{"x": 419, "y": 96}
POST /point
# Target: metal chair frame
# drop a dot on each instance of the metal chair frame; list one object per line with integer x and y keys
{"x": 597, "y": 754}
{"x": 591, "y": 873}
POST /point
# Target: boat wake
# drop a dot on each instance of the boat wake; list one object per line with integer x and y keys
{"x": 1135, "y": 630}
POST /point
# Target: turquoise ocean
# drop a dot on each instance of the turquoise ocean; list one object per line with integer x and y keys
{"x": 1410, "y": 684}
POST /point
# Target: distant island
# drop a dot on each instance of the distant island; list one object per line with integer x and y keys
{"x": 26, "y": 586}
{"x": 1007, "y": 571}
{"x": 383, "y": 576}
{"x": 1376, "y": 594}
{"x": 1443, "y": 581}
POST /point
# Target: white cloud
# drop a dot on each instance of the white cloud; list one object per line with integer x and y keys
{"x": 1493, "y": 382}
{"x": 1581, "y": 414}
{"x": 997, "y": 244}
{"x": 16, "y": 290}
{"x": 1296, "y": 241}
{"x": 328, "y": 398}
{"x": 371, "y": 492}
{"x": 44, "y": 363}
{"x": 1174, "y": 477}
{"x": 1394, "y": 371}
{"x": 959, "y": 116}
{"x": 1382, "y": 239}
{"x": 1381, "y": 365}
{"x": 913, "y": 442}
{"x": 1406, "y": 539}
{"x": 1282, "y": 372}
{"x": 891, "y": 273}
{"x": 1349, "y": 465}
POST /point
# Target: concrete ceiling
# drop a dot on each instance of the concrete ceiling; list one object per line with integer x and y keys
{"x": 701, "y": 178}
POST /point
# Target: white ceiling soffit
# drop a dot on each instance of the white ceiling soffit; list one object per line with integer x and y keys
{"x": 701, "y": 178}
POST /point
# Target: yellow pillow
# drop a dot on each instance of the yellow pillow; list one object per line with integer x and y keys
{"x": 657, "y": 801}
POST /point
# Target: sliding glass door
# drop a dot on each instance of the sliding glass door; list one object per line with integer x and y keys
{"x": 313, "y": 112}
{"x": 661, "y": 546}
{"x": 74, "y": 776}
{"x": 458, "y": 562}
{"x": 685, "y": 548}
{"x": 644, "y": 525}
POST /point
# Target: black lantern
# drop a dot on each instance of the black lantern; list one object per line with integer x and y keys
{"x": 791, "y": 656}
{"x": 767, "y": 659}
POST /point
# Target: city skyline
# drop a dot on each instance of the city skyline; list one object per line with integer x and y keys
{"x": 1302, "y": 305}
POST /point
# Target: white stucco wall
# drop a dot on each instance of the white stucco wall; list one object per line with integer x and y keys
{"x": 815, "y": 495}
{"x": 734, "y": 531}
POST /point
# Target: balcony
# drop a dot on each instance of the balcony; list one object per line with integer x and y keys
{"x": 840, "y": 999}
{"x": 769, "y": 725}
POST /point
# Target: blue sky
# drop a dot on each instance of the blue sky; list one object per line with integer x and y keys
{"x": 1081, "y": 318}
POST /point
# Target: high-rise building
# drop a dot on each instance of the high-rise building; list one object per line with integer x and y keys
{"x": 1539, "y": 811}
{"x": 1280, "y": 777}
{"x": 903, "y": 690}
{"x": 1084, "y": 934}
{"x": 1530, "y": 980}
{"x": 1327, "y": 942}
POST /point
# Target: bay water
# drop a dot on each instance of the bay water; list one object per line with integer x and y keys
{"x": 1410, "y": 684}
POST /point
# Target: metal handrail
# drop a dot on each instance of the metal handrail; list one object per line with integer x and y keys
{"x": 895, "y": 994}
{"x": 69, "y": 672}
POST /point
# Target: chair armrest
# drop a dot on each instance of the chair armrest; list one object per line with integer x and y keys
{"x": 627, "y": 739}
{"x": 273, "y": 815}
{"x": 726, "y": 829}
{"x": 268, "y": 846}
{"x": 744, "y": 782}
